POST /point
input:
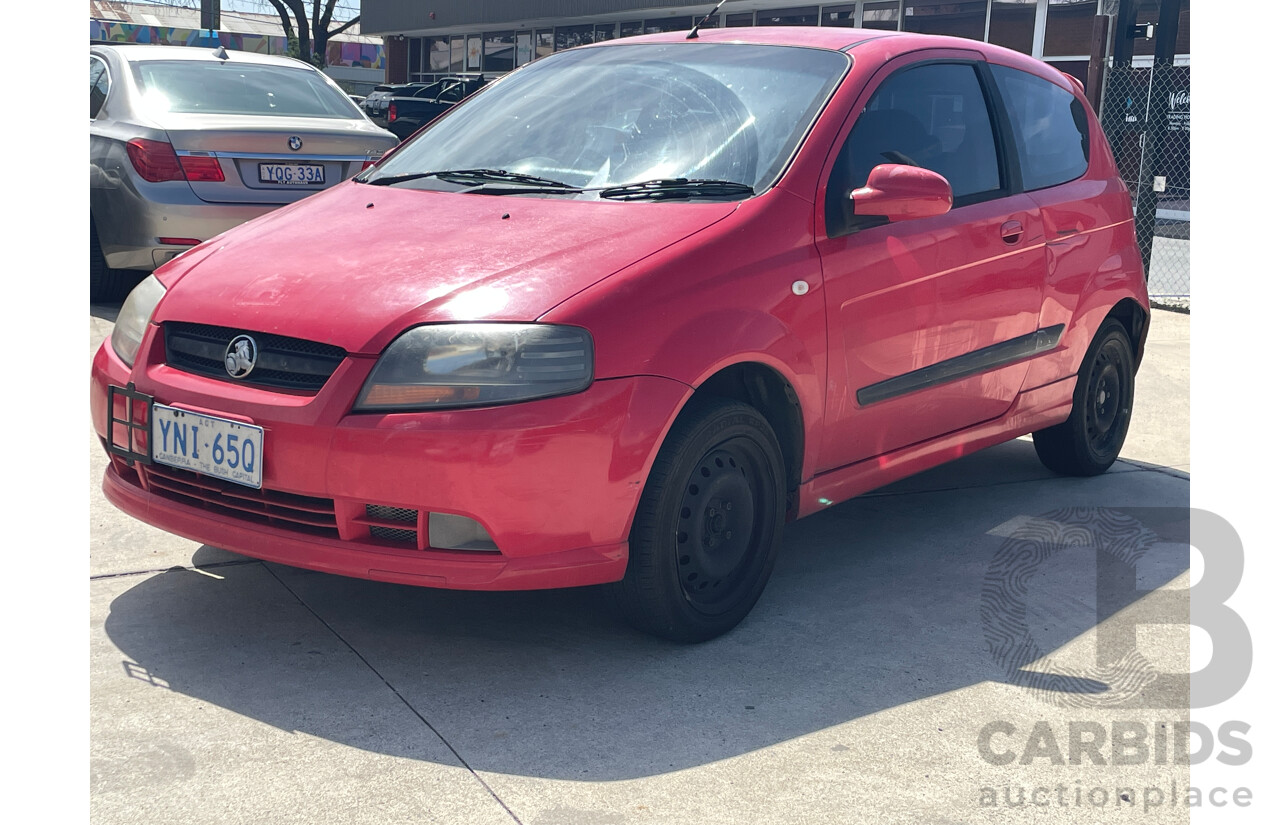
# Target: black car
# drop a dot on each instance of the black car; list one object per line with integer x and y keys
{"x": 408, "y": 110}
{"x": 375, "y": 103}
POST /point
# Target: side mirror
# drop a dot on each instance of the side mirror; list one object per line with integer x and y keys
{"x": 900, "y": 193}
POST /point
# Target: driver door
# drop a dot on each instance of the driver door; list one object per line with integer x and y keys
{"x": 927, "y": 317}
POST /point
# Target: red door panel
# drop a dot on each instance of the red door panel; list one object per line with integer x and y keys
{"x": 916, "y": 294}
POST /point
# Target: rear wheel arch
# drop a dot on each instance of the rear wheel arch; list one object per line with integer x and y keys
{"x": 1136, "y": 321}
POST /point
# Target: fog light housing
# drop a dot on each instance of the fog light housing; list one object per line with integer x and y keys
{"x": 449, "y": 532}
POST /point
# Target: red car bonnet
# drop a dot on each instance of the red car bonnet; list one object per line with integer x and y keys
{"x": 356, "y": 265}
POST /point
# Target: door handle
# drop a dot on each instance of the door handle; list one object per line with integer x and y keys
{"x": 1011, "y": 232}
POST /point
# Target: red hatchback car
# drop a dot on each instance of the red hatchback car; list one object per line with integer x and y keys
{"x": 623, "y": 313}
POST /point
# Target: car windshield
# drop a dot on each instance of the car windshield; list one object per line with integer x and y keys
{"x": 614, "y": 115}
{"x": 231, "y": 88}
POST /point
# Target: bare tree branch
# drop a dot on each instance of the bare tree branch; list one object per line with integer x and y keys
{"x": 345, "y": 26}
{"x": 311, "y": 30}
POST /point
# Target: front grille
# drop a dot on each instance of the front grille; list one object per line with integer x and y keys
{"x": 381, "y": 513}
{"x": 284, "y": 363}
{"x": 304, "y": 514}
{"x": 391, "y": 534}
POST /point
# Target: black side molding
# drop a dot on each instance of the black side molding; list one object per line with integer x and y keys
{"x": 962, "y": 366}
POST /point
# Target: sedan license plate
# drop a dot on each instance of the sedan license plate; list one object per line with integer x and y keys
{"x": 204, "y": 444}
{"x": 291, "y": 174}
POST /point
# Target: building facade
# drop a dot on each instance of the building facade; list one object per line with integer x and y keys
{"x": 355, "y": 61}
{"x": 426, "y": 40}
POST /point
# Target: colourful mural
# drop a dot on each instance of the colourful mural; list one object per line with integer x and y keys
{"x": 363, "y": 55}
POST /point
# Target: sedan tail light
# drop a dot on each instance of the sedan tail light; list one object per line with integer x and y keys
{"x": 391, "y": 113}
{"x": 154, "y": 160}
{"x": 201, "y": 168}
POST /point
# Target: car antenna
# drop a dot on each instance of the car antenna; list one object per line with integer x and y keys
{"x": 693, "y": 35}
{"x": 221, "y": 53}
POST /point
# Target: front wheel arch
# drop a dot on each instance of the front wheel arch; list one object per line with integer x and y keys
{"x": 772, "y": 395}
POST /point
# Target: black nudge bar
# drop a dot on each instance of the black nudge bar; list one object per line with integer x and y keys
{"x": 131, "y": 396}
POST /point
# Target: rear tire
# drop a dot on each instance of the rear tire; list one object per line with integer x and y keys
{"x": 1089, "y": 442}
{"x": 105, "y": 284}
{"x": 708, "y": 526}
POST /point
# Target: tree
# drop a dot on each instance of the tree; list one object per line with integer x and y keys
{"x": 310, "y": 29}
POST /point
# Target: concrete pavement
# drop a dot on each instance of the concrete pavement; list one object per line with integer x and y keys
{"x": 863, "y": 688}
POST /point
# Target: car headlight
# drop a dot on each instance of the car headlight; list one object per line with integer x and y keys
{"x": 134, "y": 316}
{"x": 473, "y": 365}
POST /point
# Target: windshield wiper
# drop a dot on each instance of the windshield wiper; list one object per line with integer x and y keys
{"x": 472, "y": 176}
{"x": 665, "y": 188}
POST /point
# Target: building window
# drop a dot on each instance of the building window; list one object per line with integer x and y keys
{"x": 568, "y": 37}
{"x": 945, "y": 17}
{"x": 1013, "y": 24}
{"x": 457, "y": 54}
{"x": 606, "y": 31}
{"x": 668, "y": 24}
{"x": 801, "y": 16}
{"x": 415, "y": 57}
{"x": 1069, "y": 26}
{"x": 840, "y": 16}
{"x": 545, "y": 43}
{"x": 740, "y": 20}
{"x": 1149, "y": 12}
{"x": 499, "y": 52}
{"x": 882, "y": 15}
{"x": 631, "y": 29}
{"x": 437, "y": 54}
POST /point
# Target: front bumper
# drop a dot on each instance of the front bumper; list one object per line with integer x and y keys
{"x": 555, "y": 482}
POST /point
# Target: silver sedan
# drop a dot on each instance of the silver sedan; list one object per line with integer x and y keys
{"x": 185, "y": 143}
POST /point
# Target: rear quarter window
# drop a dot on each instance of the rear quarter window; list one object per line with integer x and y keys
{"x": 1050, "y": 128}
{"x": 99, "y": 85}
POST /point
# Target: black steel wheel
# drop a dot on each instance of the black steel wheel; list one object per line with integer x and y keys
{"x": 1090, "y": 440}
{"x": 706, "y": 532}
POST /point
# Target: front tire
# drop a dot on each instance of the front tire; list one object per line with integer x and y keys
{"x": 707, "y": 530}
{"x": 1089, "y": 442}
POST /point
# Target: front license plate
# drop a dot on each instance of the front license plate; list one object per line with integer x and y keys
{"x": 203, "y": 444}
{"x": 291, "y": 174}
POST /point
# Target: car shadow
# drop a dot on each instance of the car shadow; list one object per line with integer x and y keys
{"x": 874, "y": 603}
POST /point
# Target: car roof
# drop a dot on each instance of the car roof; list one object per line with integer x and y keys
{"x": 135, "y": 53}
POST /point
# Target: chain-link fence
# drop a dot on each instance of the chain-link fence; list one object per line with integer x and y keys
{"x": 1146, "y": 113}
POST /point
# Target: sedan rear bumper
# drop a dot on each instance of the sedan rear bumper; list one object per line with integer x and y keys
{"x": 131, "y": 235}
